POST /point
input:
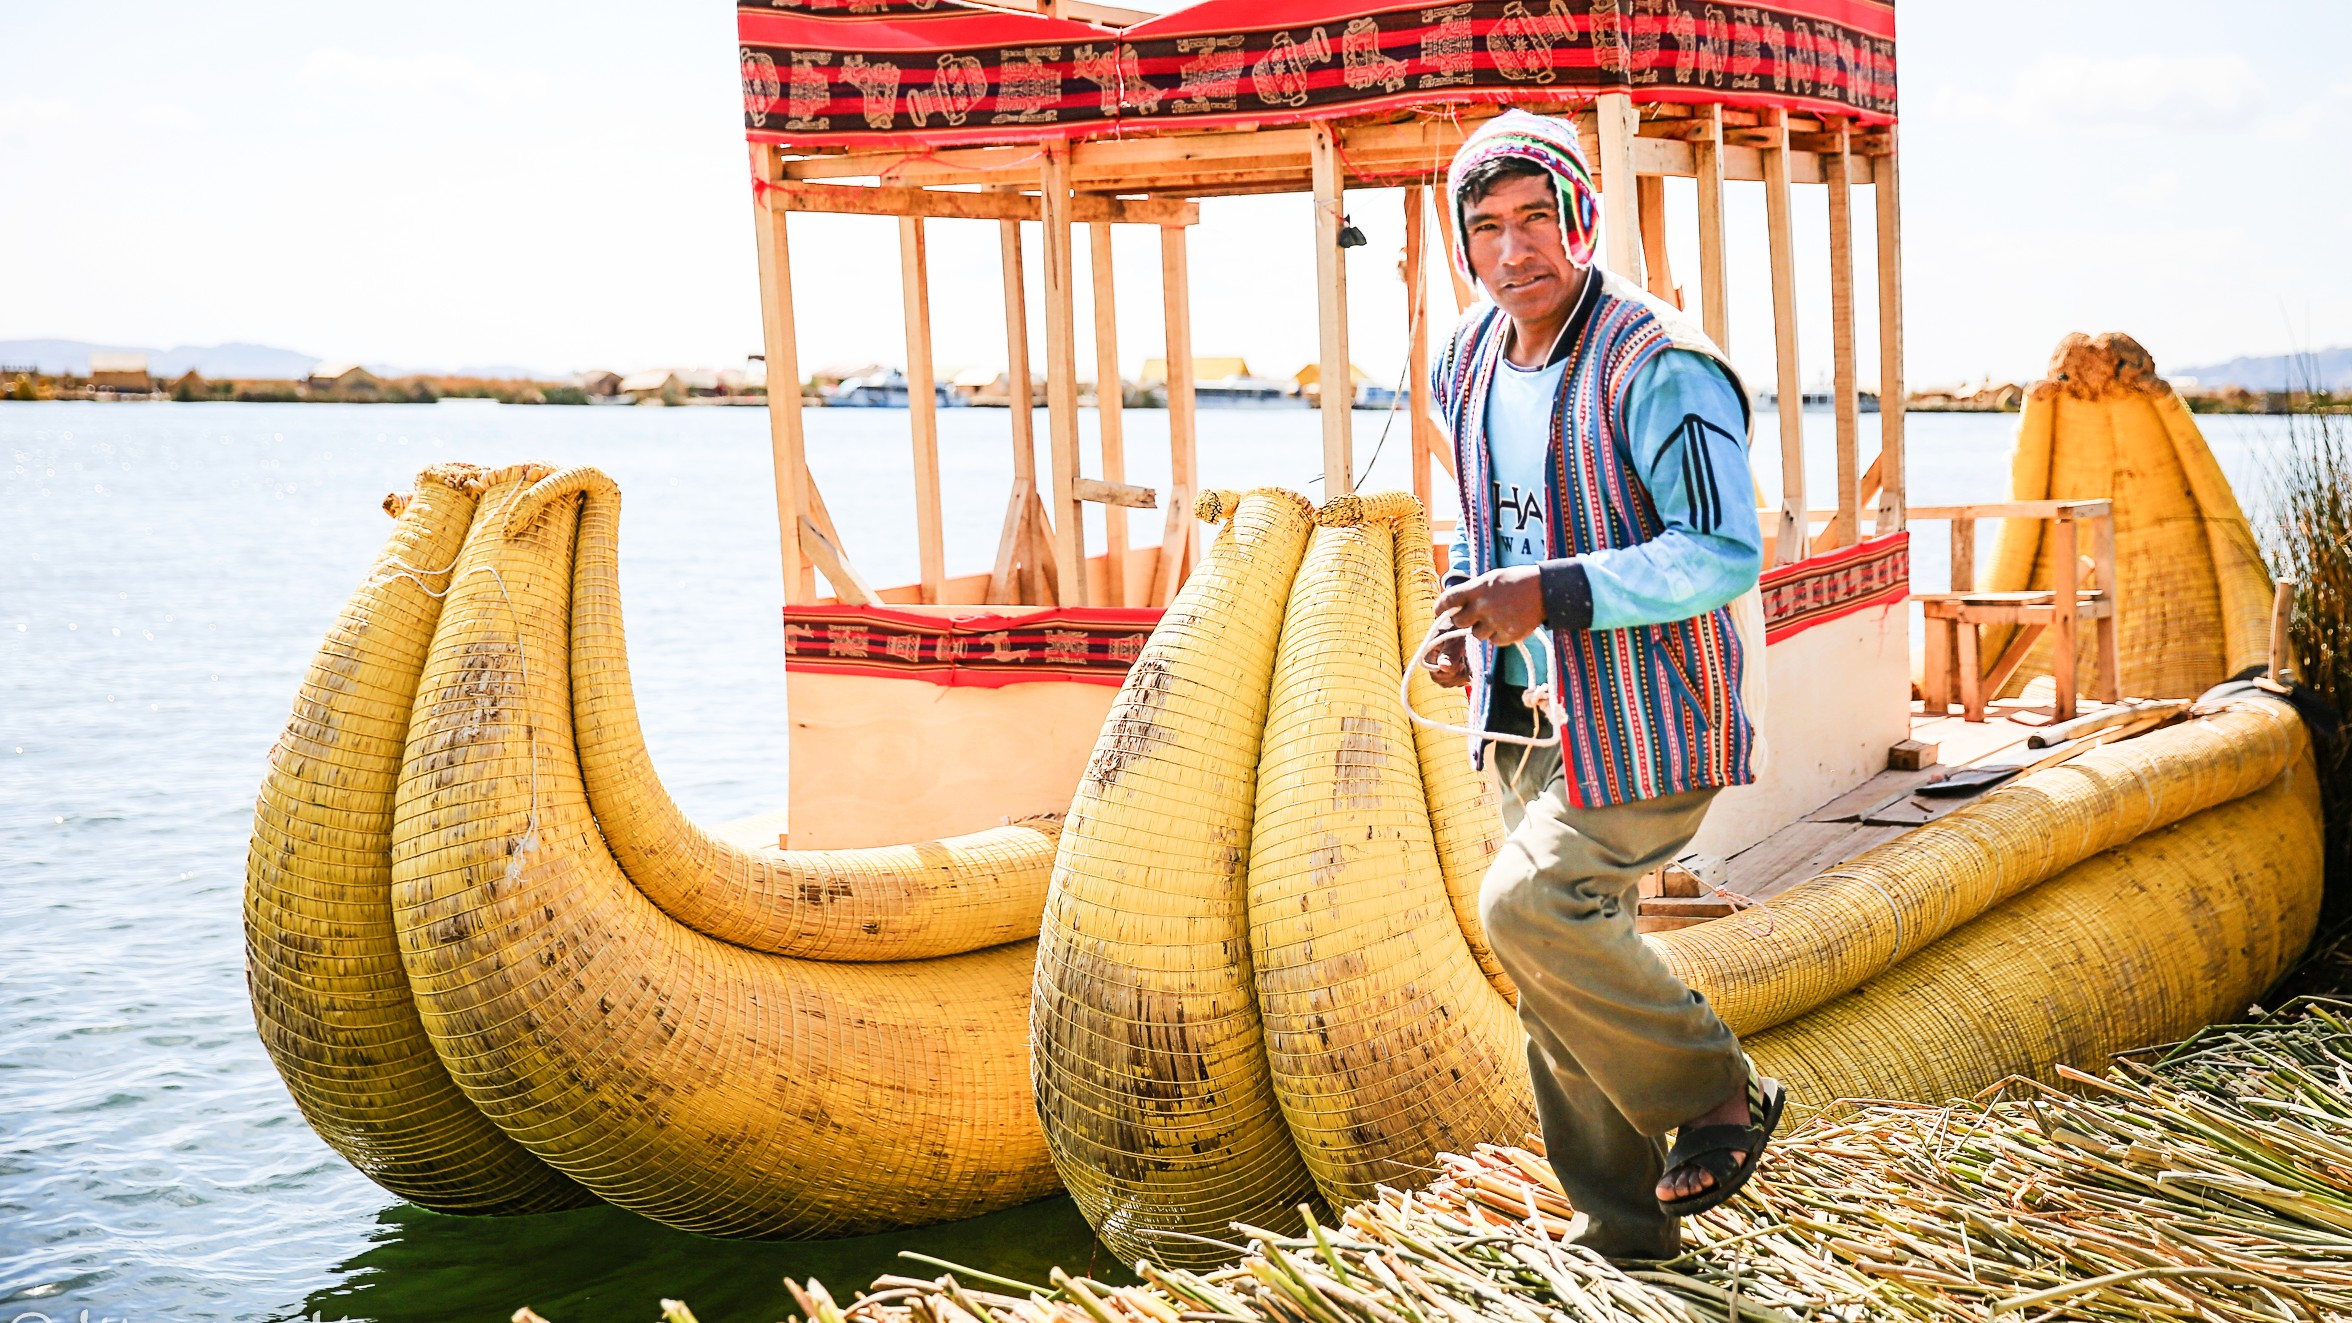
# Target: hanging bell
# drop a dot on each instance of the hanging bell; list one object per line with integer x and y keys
{"x": 1349, "y": 235}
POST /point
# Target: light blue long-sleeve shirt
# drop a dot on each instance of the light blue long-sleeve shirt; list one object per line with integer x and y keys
{"x": 1687, "y": 431}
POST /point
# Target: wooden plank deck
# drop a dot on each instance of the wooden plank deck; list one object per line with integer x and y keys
{"x": 1869, "y": 815}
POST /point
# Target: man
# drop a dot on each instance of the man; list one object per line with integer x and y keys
{"x": 1606, "y": 503}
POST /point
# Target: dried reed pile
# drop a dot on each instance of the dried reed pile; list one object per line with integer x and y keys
{"x": 2216, "y": 1183}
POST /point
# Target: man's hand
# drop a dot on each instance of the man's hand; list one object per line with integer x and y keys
{"x": 1500, "y": 606}
{"x": 1449, "y": 663}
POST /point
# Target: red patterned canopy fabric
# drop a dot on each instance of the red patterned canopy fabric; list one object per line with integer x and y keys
{"x": 923, "y": 73}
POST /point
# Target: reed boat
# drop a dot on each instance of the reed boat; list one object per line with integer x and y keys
{"x": 1123, "y": 870}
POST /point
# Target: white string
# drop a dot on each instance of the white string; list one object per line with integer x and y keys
{"x": 401, "y": 569}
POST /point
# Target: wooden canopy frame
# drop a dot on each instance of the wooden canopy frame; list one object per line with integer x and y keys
{"x": 1152, "y": 180}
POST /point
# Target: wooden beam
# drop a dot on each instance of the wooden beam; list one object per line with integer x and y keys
{"x": 1061, "y": 378}
{"x": 1657, "y": 274}
{"x": 1821, "y": 540}
{"x": 1118, "y": 497}
{"x": 1790, "y": 537}
{"x": 945, "y": 204}
{"x": 1893, "y": 492}
{"x": 922, "y": 405}
{"x": 1004, "y": 577}
{"x": 1175, "y": 544}
{"x": 1020, "y": 406}
{"x": 787, "y": 444}
{"x": 1108, "y": 408}
{"x": 1178, "y": 539}
{"x": 1845, "y": 396}
{"x": 1417, "y": 335}
{"x": 1044, "y": 553}
{"x": 1714, "y": 287}
{"x": 1620, "y": 223}
{"x": 2089, "y": 508}
{"x": 1464, "y": 295}
{"x": 848, "y": 584}
{"x": 1219, "y": 161}
{"x": 1336, "y": 381}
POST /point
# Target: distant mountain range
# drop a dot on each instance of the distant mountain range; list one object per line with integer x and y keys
{"x": 60, "y": 357}
{"x": 2328, "y": 369}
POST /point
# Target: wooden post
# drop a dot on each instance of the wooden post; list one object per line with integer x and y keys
{"x": 1836, "y": 172}
{"x": 1417, "y": 334}
{"x": 1713, "y": 295}
{"x": 1337, "y": 383}
{"x": 1016, "y": 305}
{"x": 1972, "y": 674}
{"x": 1935, "y": 673}
{"x": 2064, "y": 569}
{"x": 1107, "y": 405}
{"x": 1061, "y": 378}
{"x": 2110, "y": 654}
{"x": 786, "y": 440}
{"x": 1891, "y": 397}
{"x": 1963, "y": 555}
{"x": 1176, "y": 552}
{"x": 1790, "y": 539}
{"x": 922, "y": 405}
{"x": 1658, "y": 273}
{"x": 1620, "y": 221}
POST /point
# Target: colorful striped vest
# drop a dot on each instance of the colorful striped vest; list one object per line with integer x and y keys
{"x": 1652, "y": 710}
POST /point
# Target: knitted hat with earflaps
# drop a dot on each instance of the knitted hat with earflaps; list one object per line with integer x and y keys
{"x": 1548, "y": 142}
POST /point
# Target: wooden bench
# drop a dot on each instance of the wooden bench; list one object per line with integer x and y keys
{"x": 1954, "y": 669}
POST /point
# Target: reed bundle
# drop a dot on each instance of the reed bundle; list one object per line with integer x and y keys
{"x": 2215, "y": 1183}
{"x": 2192, "y": 600}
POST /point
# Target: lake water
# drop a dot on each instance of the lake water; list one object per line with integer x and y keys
{"x": 166, "y": 572}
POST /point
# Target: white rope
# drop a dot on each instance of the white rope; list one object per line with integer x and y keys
{"x": 399, "y": 569}
{"x": 1440, "y": 632}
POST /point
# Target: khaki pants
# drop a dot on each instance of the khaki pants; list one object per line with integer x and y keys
{"x": 1621, "y": 1050}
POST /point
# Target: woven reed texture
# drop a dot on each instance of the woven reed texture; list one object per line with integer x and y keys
{"x": 1465, "y": 810}
{"x": 322, "y": 960}
{"x": 1827, "y": 936}
{"x": 2143, "y": 944}
{"x": 713, "y": 1088}
{"x": 1386, "y": 1042}
{"x": 2192, "y": 598}
{"x": 899, "y": 902}
{"x": 1149, "y": 1060}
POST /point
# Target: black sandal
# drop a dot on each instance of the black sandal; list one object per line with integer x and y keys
{"x": 1709, "y": 1148}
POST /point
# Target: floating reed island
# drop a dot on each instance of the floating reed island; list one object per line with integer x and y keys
{"x": 2214, "y": 1183}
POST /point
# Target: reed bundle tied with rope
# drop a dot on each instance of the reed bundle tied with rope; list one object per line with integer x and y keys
{"x": 2216, "y": 1183}
{"x": 501, "y": 972}
{"x": 1304, "y": 986}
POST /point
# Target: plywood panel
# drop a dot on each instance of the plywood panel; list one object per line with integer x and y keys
{"x": 878, "y": 761}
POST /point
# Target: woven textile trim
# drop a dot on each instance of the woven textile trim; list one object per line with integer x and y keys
{"x": 1090, "y": 645}
{"x": 1096, "y": 645}
{"x": 883, "y": 73}
{"x": 1814, "y": 591}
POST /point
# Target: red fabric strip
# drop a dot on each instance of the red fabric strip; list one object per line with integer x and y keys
{"x": 1814, "y": 591}
{"x": 1091, "y": 645}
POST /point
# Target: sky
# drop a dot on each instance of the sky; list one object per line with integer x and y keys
{"x": 447, "y": 185}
